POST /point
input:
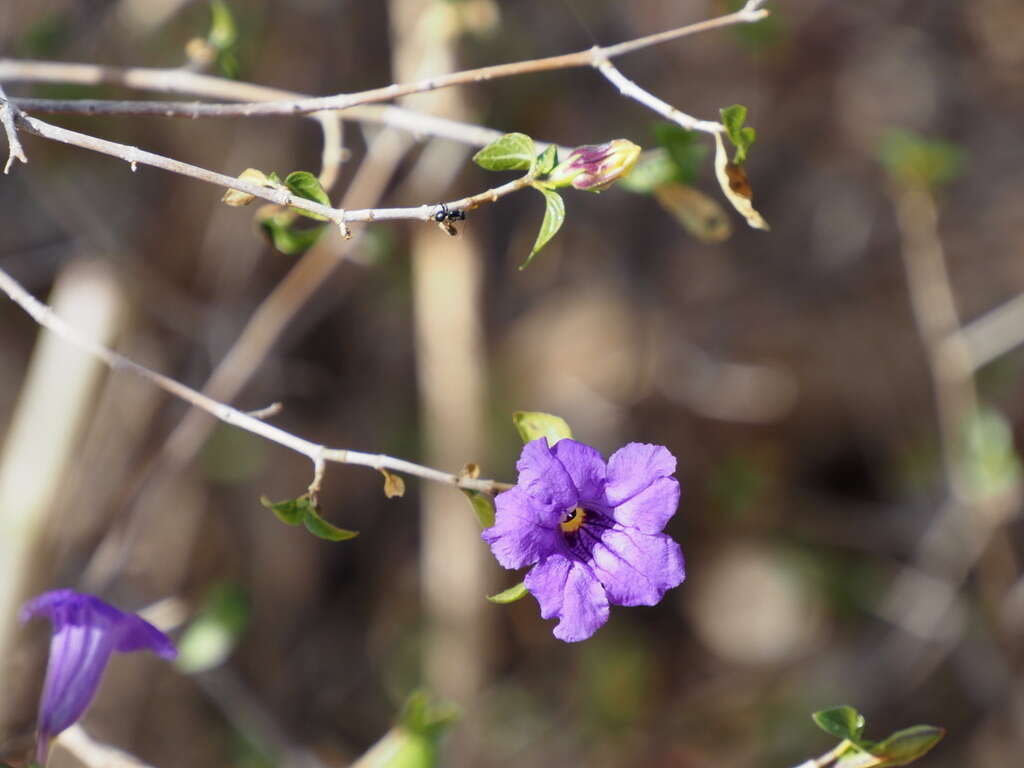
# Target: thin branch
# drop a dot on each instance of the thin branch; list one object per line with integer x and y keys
{"x": 339, "y": 216}
{"x": 995, "y": 333}
{"x": 8, "y": 111}
{"x": 592, "y": 57}
{"x": 316, "y": 453}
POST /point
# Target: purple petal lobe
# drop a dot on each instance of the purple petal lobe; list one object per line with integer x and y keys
{"x": 137, "y": 634}
{"x": 651, "y": 508}
{"x": 544, "y": 478}
{"x": 585, "y": 467}
{"x": 523, "y": 530}
{"x": 568, "y": 590}
{"x": 634, "y": 467}
{"x": 637, "y": 568}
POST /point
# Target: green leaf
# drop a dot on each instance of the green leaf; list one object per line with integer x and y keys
{"x": 908, "y": 745}
{"x": 289, "y": 511}
{"x": 305, "y": 184}
{"x": 290, "y": 240}
{"x": 323, "y": 529}
{"x": 274, "y": 179}
{"x": 223, "y": 32}
{"x": 511, "y": 152}
{"x": 733, "y": 119}
{"x": 483, "y": 506}
{"x": 532, "y": 425}
{"x": 510, "y": 595}
{"x": 546, "y": 160}
{"x": 554, "y": 215}
{"x": 654, "y": 168}
{"x": 686, "y": 150}
{"x": 913, "y": 160}
{"x": 843, "y": 722}
{"x": 214, "y": 632}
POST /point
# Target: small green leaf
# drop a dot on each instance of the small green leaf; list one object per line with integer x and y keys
{"x": 305, "y": 184}
{"x": 274, "y": 179}
{"x": 511, "y": 152}
{"x": 554, "y": 215}
{"x": 685, "y": 149}
{"x": 483, "y": 506}
{"x": 323, "y": 529}
{"x": 290, "y": 240}
{"x": 546, "y": 160}
{"x": 510, "y": 595}
{"x": 532, "y": 425}
{"x": 214, "y": 632}
{"x": 908, "y": 745}
{"x": 842, "y": 722}
{"x": 289, "y": 511}
{"x": 223, "y": 32}
{"x": 733, "y": 119}
{"x": 913, "y": 160}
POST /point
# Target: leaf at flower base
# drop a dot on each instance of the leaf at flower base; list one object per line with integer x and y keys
{"x": 843, "y": 722}
{"x": 735, "y": 186}
{"x": 236, "y": 197}
{"x": 394, "y": 485}
{"x": 483, "y": 506}
{"x": 685, "y": 149}
{"x": 214, "y": 632}
{"x": 510, "y": 595}
{"x": 554, "y": 216}
{"x": 742, "y": 136}
{"x": 323, "y": 529}
{"x": 546, "y": 160}
{"x": 535, "y": 424}
{"x": 906, "y": 746}
{"x": 697, "y": 213}
{"x": 511, "y": 152}
{"x": 289, "y": 511}
{"x": 305, "y": 184}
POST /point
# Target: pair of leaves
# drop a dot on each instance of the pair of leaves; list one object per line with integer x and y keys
{"x": 742, "y": 136}
{"x": 304, "y": 511}
{"x": 517, "y": 152}
{"x": 532, "y": 425}
{"x": 900, "y": 748}
{"x": 278, "y": 223}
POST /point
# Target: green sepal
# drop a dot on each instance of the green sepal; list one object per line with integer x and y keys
{"x": 741, "y": 136}
{"x": 289, "y": 511}
{"x": 546, "y": 160}
{"x": 510, "y": 595}
{"x": 511, "y": 152}
{"x": 843, "y": 722}
{"x": 305, "y": 184}
{"x": 554, "y": 216}
{"x": 532, "y": 425}
{"x": 483, "y": 506}
{"x": 213, "y": 634}
{"x": 323, "y": 529}
{"x": 908, "y": 745}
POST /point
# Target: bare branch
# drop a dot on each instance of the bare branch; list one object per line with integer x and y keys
{"x": 315, "y": 452}
{"x": 7, "y": 114}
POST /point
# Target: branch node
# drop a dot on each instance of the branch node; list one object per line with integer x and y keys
{"x": 7, "y": 114}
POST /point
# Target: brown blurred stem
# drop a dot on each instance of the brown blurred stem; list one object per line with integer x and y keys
{"x": 316, "y": 453}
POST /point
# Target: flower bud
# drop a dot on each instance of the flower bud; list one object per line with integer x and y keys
{"x": 595, "y": 167}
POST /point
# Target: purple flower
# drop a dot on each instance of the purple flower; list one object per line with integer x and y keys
{"x": 593, "y": 532}
{"x": 86, "y": 631}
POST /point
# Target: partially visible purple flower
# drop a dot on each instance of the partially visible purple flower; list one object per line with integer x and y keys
{"x": 86, "y": 631}
{"x": 595, "y": 167}
{"x": 592, "y": 531}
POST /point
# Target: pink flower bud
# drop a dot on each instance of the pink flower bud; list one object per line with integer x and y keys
{"x": 595, "y": 167}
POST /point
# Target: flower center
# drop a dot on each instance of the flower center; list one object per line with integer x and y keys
{"x": 573, "y": 519}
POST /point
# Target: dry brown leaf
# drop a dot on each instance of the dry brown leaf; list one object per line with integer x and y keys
{"x": 733, "y": 180}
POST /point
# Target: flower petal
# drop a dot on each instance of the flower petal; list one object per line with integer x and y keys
{"x": 523, "y": 530}
{"x": 637, "y": 568}
{"x": 544, "y": 478}
{"x": 567, "y": 589}
{"x": 650, "y": 509}
{"x": 634, "y": 467}
{"x": 137, "y": 634}
{"x": 585, "y": 467}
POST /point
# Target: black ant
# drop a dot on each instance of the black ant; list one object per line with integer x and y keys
{"x": 445, "y": 216}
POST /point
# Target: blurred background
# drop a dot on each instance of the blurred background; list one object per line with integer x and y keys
{"x": 842, "y": 403}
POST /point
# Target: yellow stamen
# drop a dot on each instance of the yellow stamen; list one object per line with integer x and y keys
{"x": 573, "y": 520}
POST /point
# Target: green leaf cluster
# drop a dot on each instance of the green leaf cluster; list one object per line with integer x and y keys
{"x": 899, "y": 748}
{"x": 742, "y": 136}
{"x": 304, "y": 511}
{"x": 279, "y": 226}
{"x": 913, "y": 160}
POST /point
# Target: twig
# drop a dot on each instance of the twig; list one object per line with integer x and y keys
{"x": 94, "y": 754}
{"x": 315, "y": 452}
{"x": 7, "y": 114}
{"x": 995, "y": 333}
{"x": 592, "y": 57}
{"x": 339, "y": 216}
